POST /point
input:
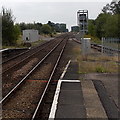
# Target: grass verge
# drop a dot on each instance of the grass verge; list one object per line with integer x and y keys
{"x": 96, "y": 63}
{"x": 20, "y": 43}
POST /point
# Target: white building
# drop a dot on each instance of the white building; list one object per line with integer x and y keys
{"x": 30, "y": 35}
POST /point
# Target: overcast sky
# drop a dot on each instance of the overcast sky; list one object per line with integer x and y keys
{"x": 57, "y": 11}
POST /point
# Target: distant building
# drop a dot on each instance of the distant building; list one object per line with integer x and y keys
{"x": 30, "y": 35}
{"x": 74, "y": 29}
{"x": 60, "y": 27}
{"x": 67, "y": 30}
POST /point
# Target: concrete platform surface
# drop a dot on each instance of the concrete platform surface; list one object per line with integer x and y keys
{"x": 83, "y": 98}
{"x": 70, "y": 102}
{"x": 72, "y": 72}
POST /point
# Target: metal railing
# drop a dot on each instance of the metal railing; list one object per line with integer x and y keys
{"x": 110, "y": 45}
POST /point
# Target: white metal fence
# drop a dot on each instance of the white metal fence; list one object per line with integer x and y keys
{"x": 110, "y": 45}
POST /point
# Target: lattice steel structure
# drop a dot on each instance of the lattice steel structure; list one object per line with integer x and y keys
{"x": 82, "y": 18}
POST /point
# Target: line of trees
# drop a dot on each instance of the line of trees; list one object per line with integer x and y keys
{"x": 48, "y": 28}
{"x": 12, "y": 31}
{"x": 42, "y": 28}
{"x": 107, "y": 23}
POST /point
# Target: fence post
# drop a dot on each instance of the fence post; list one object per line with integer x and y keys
{"x": 102, "y": 47}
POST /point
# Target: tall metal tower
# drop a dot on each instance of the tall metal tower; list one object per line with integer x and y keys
{"x": 82, "y": 18}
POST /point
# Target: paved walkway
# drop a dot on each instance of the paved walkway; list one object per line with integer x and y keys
{"x": 76, "y": 98}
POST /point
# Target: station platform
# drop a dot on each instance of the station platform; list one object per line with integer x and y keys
{"x": 76, "y": 98}
{"x": 2, "y": 50}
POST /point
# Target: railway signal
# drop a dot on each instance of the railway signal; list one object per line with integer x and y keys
{"x": 82, "y": 17}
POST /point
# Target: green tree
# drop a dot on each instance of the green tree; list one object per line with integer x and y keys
{"x": 107, "y": 9}
{"x": 111, "y": 26}
{"x": 52, "y": 25}
{"x": 22, "y": 26}
{"x": 36, "y": 26}
{"x": 119, "y": 26}
{"x": 107, "y": 23}
{"x": 16, "y": 31}
{"x": 46, "y": 29}
{"x": 91, "y": 27}
{"x": 112, "y": 8}
{"x": 115, "y": 7}
{"x": 10, "y": 32}
{"x": 99, "y": 23}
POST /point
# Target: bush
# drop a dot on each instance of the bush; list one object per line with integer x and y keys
{"x": 93, "y": 39}
{"x": 46, "y": 29}
{"x": 100, "y": 69}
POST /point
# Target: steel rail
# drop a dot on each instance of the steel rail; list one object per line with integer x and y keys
{"x": 15, "y": 57}
{"x": 3, "y": 99}
{"x": 23, "y": 53}
{"x": 48, "y": 83}
{"x": 23, "y": 59}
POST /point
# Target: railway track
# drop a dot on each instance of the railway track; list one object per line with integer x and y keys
{"x": 15, "y": 53}
{"x": 18, "y": 58}
{"x": 8, "y": 54}
{"x": 22, "y": 104}
{"x": 15, "y": 73}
